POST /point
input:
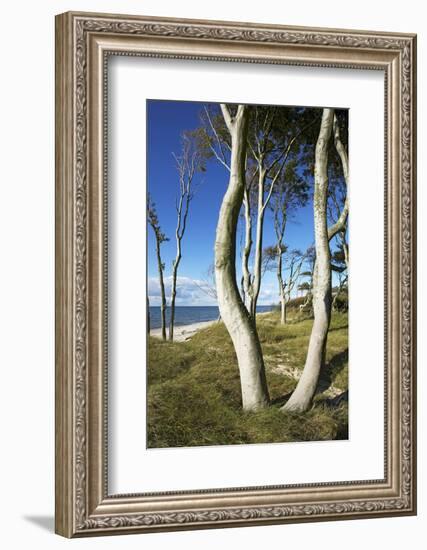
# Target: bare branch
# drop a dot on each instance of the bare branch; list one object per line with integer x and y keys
{"x": 227, "y": 116}
{"x": 341, "y": 150}
{"x": 220, "y": 157}
{"x": 339, "y": 225}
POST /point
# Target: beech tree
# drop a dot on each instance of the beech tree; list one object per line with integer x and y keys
{"x": 288, "y": 272}
{"x": 234, "y": 314}
{"x": 275, "y": 136}
{"x": 188, "y": 164}
{"x": 290, "y": 194}
{"x": 302, "y": 397}
{"x": 338, "y": 203}
{"x": 294, "y": 264}
{"x": 309, "y": 264}
{"x": 160, "y": 237}
{"x": 338, "y": 212}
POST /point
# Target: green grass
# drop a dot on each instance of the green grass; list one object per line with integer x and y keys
{"x": 194, "y": 390}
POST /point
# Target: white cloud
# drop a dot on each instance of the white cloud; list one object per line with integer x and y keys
{"x": 190, "y": 292}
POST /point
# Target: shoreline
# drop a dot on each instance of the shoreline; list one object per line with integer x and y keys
{"x": 182, "y": 333}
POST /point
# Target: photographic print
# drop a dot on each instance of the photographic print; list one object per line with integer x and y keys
{"x": 205, "y": 303}
{"x": 247, "y": 274}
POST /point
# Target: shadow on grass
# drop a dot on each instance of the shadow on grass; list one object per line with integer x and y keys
{"x": 281, "y": 400}
{"x": 338, "y": 400}
{"x": 327, "y": 377}
{"x": 331, "y": 370}
{"x": 344, "y": 327}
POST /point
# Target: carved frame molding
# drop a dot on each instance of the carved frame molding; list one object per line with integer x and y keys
{"x": 83, "y": 43}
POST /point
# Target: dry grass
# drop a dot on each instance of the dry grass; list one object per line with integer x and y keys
{"x": 194, "y": 391}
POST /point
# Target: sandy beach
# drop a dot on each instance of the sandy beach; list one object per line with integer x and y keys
{"x": 184, "y": 332}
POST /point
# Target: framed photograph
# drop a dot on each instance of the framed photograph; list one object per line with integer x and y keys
{"x": 235, "y": 274}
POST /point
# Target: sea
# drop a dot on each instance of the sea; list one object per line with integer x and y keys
{"x": 187, "y": 315}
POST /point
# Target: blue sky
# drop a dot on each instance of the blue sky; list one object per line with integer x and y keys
{"x": 166, "y": 120}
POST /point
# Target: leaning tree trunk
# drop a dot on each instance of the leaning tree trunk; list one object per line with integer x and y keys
{"x": 302, "y": 396}
{"x": 173, "y": 291}
{"x": 258, "y": 242}
{"x": 281, "y": 287}
{"x": 233, "y": 312}
{"x": 162, "y": 288}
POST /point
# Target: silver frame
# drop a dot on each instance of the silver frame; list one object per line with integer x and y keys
{"x": 83, "y": 43}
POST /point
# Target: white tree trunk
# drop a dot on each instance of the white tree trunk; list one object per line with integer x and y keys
{"x": 176, "y": 262}
{"x": 302, "y": 397}
{"x": 345, "y": 249}
{"x": 282, "y": 310}
{"x": 256, "y": 286}
{"x": 342, "y": 220}
{"x": 162, "y": 288}
{"x": 281, "y": 285}
{"x": 175, "y": 267}
{"x": 173, "y": 293}
{"x": 246, "y": 275}
{"x": 187, "y": 165}
{"x": 233, "y": 312}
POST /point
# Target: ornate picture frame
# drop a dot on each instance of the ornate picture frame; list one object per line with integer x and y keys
{"x": 84, "y": 42}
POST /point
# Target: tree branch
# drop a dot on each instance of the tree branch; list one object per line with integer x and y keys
{"x": 221, "y": 158}
{"x": 227, "y": 116}
{"x": 342, "y": 220}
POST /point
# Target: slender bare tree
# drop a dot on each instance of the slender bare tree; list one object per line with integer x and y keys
{"x": 288, "y": 272}
{"x": 302, "y": 397}
{"x": 280, "y": 219}
{"x": 270, "y": 153}
{"x": 160, "y": 237}
{"x": 295, "y": 263}
{"x": 307, "y": 285}
{"x": 187, "y": 164}
{"x": 235, "y": 316}
{"x": 290, "y": 194}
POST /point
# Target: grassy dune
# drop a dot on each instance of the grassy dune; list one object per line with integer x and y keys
{"x": 194, "y": 391}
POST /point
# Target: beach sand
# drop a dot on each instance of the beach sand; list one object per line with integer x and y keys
{"x": 184, "y": 332}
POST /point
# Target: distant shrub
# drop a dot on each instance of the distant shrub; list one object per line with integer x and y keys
{"x": 341, "y": 303}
